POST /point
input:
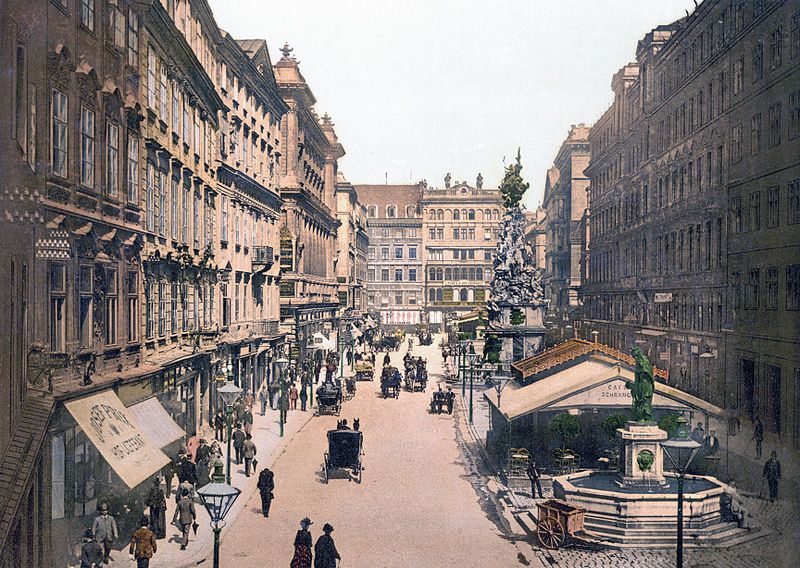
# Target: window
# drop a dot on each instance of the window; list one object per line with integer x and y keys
{"x": 385, "y": 253}
{"x": 85, "y": 297}
{"x": 432, "y": 234}
{"x": 133, "y": 39}
{"x": 398, "y": 274}
{"x": 87, "y": 147}
{"x": 793, "y": 287}
{"x": 87, "y": 14}
{"x": 31, "y": 134}
{"x": 758, "y": 60}
{"x": 196, "y": 220}
{"x": 112, "y": 159}
{"x": 58, "y": 292}
{"x": 224, "y": 228}
{"x": 793, "y": 215}
{"x": 719, "y": 164}
{"x": 456, "y": 215}
{"x": 132, "y": 306}
{"x": 772, "y": 288}
{"x": 736, "y": 143}
{"x": 794, "y": 115}
{"x": 755, "y": 134}
{"x": 398, "y": 298}
{"x": 736, "y": 215}
{"x": 398, "y": 252}
{"x": 775, "y": 48}
{"x": 176, "y": 109}
{"x": 471, "y": 215}
{"x": 133, "y": 169}
{"x": 412, "y": 274}
{"x": 371, "y": 275}
{"x": 173, "y": 216}
{"x": 185, "y": 212}
{"x": 173, "y": 308}
{"x": 150, "y": 197}
{"x": 755, "y": 211}
{"x": 186, "y": 122}
{"x": 773, "y": 207}
{"x": 738, "y": 76}
{"x": 151, "y": 78}
{"x": 412, "y": 253}
{"x": 775, "y": 125}
{"x": 116, "y": 27}
{"x": 20, "y": 81}
{"x": 111, "y": 306}
{"x": 391, "y": 211}
{"x": 384, "y": 274}
{"x": 794, "y": 37}
{"x": 752, "y": 290}
{"x": 59, "y": 139}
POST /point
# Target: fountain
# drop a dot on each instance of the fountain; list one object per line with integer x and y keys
{"x": 637, "y": 506}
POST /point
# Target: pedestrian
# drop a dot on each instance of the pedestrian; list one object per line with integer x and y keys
{"x": 450, "y": 397}
{"x": 325, "y": 553}
{"x": 534, "y": 475}
{"x": 444, "y": 355}
{"x": 356, "y": 424}
{"x": 186, "y": 516}
{"x": 91, "y": 552}
{"x": 732, "y": 506}
{"x": 263, "y": 398}
{"x": 184, "y": 486}
{"x": 302, "y": 546}
{"x": 104, "y": 529}
{"x": 249, "y": 452}
{"x": 238, "y": 442}
{"x": 238, "y": 410}
{"x": 772, "y": 473}
{"x": 157, "y": 502}
{"x": 249, "y": 400}
{"x": 266, "y": 485}
{"x": 698, "y": 434}
{"x": 758, "y": 435}
{"x": 187, "y": 471}
{"x": 247, "y": 420}
{"x": 202, "y": 468}
{"x": 143, "y": 544}
{"x": 387, "y": 360}
{"x": 711, "y": 443}
{"x": 293, "y": 395}
{"x": 169, "y": 473}
{"x": 219, "y": 426}
{"x": 303, "y": 398}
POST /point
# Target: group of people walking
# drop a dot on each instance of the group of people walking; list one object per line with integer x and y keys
{"x": 325, "y": 554}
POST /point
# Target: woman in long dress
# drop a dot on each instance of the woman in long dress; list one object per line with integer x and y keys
{"x": 302, "y": 546}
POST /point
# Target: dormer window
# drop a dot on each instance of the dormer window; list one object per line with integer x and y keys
{"x": 391, "y": 211}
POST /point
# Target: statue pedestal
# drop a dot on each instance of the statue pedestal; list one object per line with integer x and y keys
{"x": 643, "y": 463}
{"x": 523, "y": 339}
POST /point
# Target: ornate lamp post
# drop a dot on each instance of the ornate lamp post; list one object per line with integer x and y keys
{"x": 680, "y": 450}
{"x": 282, "y": 363}
{"x": 462, "y": 365}
{"x": 218, "y": 498}
{"x": 473, "y": 359}
{"x": 229, "y": 393}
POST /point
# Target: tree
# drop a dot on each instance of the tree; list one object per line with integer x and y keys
{"x": 491, "y": 348}
{"x": 612, "y": 423}
{"x": 566, "y": 427}
{"x": 668, "y": 423}
{"x": 513, "y": 187}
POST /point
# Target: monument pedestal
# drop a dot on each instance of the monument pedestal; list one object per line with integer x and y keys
{"x": 522, "y": 339}
{"x": 643, "y": 463}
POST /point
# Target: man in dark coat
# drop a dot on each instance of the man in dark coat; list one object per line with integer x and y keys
{"x": 758, "y": 435}
{"x": 187, "y": 471}
{"x": 157, "y": 502}
{"x": 91, "y": 552}
{"x": 266, "y": 485}
{"x": 533, "y": 476}
{"x": 387, "y": 360}
{"x": 219, "y": 426}
{"x": 249, "y": 452}
{"x": 238, "y": 442}
{"x": 185, "y": 515}
{"x": 772, "y": 473}
{"x": 450, "y": 397}
{"x": 325, "y": 553}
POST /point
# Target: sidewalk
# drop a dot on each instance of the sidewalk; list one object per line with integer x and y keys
{"x": 266, "y": 435}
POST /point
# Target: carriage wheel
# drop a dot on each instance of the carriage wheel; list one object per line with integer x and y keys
{"x": 550, "y": 532}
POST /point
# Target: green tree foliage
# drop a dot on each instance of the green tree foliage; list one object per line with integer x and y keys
{"x": 491, "y": 348}
{"x": 611, "y": 423}
{"x": 668, "y": 423}
{"x": 513, "y": 187}
{"x": 566, "y": 427}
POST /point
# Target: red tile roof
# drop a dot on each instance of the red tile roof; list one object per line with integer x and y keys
{"x": 382, "y": 195}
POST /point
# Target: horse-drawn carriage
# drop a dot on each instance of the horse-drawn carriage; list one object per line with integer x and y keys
{"x": 390, "y": 382}
{"x": 425, "y": 338}
{"x": 388, "y": 343}
{"x": 350, "y": 388}
{"x": 365, "y": 371}
{"x": 329, "y": 398}
{"x": 416, "y": 379}
{"x": 439, "y": 401}
{"x": 344, "y": 452}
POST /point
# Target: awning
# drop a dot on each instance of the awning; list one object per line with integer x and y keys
{"x": 323, "y": 342}
{"x": 116, "y": 433}
{"x": 156, "y": 422}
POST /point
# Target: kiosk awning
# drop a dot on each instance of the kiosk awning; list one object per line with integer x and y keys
{"x": 118, "y": 436}
{"x": 156, "y": 422}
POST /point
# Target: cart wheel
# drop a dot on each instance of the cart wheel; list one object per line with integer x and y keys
{"x": 551, "y": 533}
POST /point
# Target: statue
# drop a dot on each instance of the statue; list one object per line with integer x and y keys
{"x": 642, "y": 387}
{"x": 479, "y": 182}
{"x": 447, "y": 181}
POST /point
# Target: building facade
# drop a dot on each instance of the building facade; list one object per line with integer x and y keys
{"x": 352, "y": 245}
{"x": 565, "y": 200}
{"x": 395, "y": 284}
{"x": 309, "y": 292}
{"x": 536, "y": 235}
{"x": 460, "y": 233}
{"x": 693, "y": 173}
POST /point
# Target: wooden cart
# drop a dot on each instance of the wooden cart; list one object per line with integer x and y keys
{"x": 558, "y": 521}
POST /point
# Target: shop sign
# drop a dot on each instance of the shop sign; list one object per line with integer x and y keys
{"x": 287, "y": 289}
{"x": 662, "y": 297}
{"x": 287, "y": 254}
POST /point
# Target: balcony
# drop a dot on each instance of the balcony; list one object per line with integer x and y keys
{"x": 266, "y": 328}
{"x": 263, "y": 257}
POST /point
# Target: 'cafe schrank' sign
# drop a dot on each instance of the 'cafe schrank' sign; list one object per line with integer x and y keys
{"x": 613, "y": 393}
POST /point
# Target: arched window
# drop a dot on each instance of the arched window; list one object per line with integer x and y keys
{"x": 431, "y": 273}
{"x": 471, "y": 215}
{"x": 471, "y": 295}
{"x": 464, "y": 214}
{"x": 391, "y": 211}
{"x": 432, "y": 214}
{"x": 411, "y": 211}
{"x": 496, "y": 214}
{"x": 463, "y": 294}
{"x": 440, "y": 215}
{"x": 472, "y": 273}
{"x": 431, "y": 295}
{"x": 487, "y": 214}
{"x": 456, "y": 273}
{"x": 372, "y": 211}
{"x": 448, "y": 273}
{"x": 479, "y": 273}
{"x": 456, "y": 216}
{"x": 439, "y": 295}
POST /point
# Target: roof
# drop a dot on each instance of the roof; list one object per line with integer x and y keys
{"x": 570, "y": 350}
{"x": 20, "y": 457}
{"x": 382, "y": 195}
{"x": 595, "y": 382}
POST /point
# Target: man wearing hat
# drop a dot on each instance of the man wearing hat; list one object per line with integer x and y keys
{"x": 104, "y": 529}
{"x": 91, "y": 552}
{"x": 186, "y": 516}
{"x": 157, "y": 502}
{"x": 143, "y": 544}
{"x": 325, "y": 553}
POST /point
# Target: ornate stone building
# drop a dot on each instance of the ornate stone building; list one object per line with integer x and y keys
{"x": 565, "y": 200}
{"x": 352, "y": 243}
{"x": 395, "y": 284}
{"x": 308, "y": 288}
{"x": 460, "y": 232}
{"x": 694, "y": 190}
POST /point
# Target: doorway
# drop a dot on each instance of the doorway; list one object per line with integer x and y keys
{"x": 747, "y": 374}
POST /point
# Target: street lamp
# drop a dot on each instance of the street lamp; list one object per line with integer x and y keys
{"x": 218, "y": 498}
{"x": 229, "y": 393}
{"x": 680, "y": 450}
{"x": 282, "y": 363}
{"x": 473, "y": 359}
{"x": 462, "y": 365}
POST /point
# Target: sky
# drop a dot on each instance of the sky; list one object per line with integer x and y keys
{"x": 420, "y": 88}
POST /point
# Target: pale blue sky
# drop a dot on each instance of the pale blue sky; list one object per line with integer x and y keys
{"x": 419, "y": 88}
